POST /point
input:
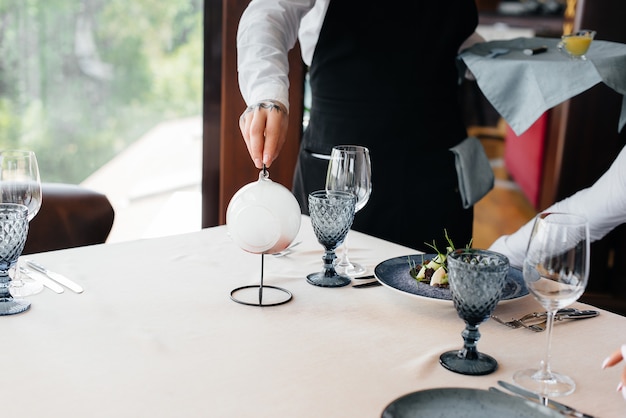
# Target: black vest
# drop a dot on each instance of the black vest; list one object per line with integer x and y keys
{"x": 384, "y": 75}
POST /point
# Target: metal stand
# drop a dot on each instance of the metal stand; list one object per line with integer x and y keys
{"x": 280, "y": 295}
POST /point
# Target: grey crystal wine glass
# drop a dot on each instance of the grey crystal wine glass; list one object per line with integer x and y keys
{"x": 332, "y": 213}
{"x": 476, "y": 280}
{"x": 13, "y": 231}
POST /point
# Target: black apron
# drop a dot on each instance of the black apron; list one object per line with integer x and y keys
{"x": 384, "y": 76}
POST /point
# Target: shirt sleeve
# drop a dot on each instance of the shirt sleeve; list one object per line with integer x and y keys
{"x": 267, "y": 30}
{"x": 603, "y": 204}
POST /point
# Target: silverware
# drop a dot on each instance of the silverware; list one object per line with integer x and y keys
{"x": 564, "y": 409}
{"x": 44, "y": 280}
{"x": 373, "y": 283}
{"x": 287, "y": 250}
{"x": 503, "y": 393}
{"x": 513, "y": 323}
{"x": 529, "y": 320}
{"x": 59, "y": 278}
{"x": 541, "y": 326}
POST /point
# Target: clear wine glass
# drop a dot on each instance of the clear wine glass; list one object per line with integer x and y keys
{"x": 556, "y": 270}
{"x": 20, "y": 183}
{"x": 13, "y": 231}
{"x": 332, "y": 214}
{"x": 476, "y": 280}
{"x": 350, "y": 170}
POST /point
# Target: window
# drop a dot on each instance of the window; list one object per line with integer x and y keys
{"x": 108, "y": 93}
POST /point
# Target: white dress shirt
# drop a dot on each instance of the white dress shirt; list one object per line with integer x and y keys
{"x": 268, "y": 29}
{"x": 603, "y": 204}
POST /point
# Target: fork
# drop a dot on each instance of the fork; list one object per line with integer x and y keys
{"x": 287, "y": 250}
{"x": 514, "y": 323}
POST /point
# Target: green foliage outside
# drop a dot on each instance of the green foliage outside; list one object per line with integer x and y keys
{"x": 80, "y": 80}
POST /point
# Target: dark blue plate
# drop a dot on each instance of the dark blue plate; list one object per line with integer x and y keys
{"x": 464, "y": 402}
{"x": 394, "y": 273}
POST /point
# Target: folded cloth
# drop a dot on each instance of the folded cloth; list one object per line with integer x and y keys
{"x": 474, "y": 172}
{"x": 522, "y": 87}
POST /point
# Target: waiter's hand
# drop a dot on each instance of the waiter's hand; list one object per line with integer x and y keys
{"x": 613, "y": 359}
{"x": 264, "y": 128}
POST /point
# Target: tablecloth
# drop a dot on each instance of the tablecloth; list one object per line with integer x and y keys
{"x": 155, "y": 334}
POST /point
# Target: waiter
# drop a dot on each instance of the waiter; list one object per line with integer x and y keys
{"x": 382, "y": 75}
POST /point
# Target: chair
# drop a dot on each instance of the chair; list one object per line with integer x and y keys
{"x": 70, "y": 216}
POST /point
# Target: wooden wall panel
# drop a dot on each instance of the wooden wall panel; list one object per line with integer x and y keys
{"x": 236, "y": 167}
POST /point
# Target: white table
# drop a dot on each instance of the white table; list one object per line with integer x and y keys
{"x": 155, "y": 334}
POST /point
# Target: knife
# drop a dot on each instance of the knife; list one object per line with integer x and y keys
{"x": 368, "y": 284}
{"x": 44, "y": 280}
{"x": 560, "y": 316}
{"x": 535, "y": 397}
{"x": 59, "y": 278}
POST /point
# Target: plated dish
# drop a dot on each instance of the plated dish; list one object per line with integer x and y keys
{"x": 470, "y": 403}
{"x": 394, "y": 274}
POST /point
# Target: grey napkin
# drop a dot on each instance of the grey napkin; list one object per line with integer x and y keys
{"x": 521, "y": 87}
{"x": 473, "y": 170}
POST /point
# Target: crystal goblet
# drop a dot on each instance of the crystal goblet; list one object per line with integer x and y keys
{"x": 476, "y": 280}
{"x": 13, "y": 231}
{"x": 332, "y": 213}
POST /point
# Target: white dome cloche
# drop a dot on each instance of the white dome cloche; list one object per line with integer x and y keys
{"x": 263, "y": 216}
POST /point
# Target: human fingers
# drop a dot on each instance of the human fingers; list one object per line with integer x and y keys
{"x": 275, "y": 135}
{"x": 245, "y": 121}
{"x": 264, "y": 129}
{"x": 615, "y": 357}
{"x": 612, "y": 360}
{"x": 256, "y": 137}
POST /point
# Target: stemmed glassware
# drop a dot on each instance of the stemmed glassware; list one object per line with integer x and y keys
{"x": 556, "y": 271}
{"x": 13, "y": 231}
{"x": 20, "y": 183}
{"x": 476, "y": 280}
{"x": 350, "y": 170}
{"x": 331, "y": 213}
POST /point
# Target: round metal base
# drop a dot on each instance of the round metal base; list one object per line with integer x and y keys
{"x": 480, "y": 366}
{"x": 264, "y": 296}
{"x": 10, "y": 306}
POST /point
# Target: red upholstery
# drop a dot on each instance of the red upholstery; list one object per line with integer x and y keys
{"x": 523, "y": 157}
{"x": 70, "y": 216}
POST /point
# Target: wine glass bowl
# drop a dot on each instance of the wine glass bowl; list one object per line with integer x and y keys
{"x": 350, "y": 170}
{"x": 476, "y": 280}
{"x": 332, "y": 213}
{"x": 556, "y": 271}
{"x": 13, "y": 232}
{"x": 19, "y": 173}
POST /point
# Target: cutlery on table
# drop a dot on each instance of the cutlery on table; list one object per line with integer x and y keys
{"x": 59, "y": 278}
{"x": 562, "y": 408}
{"x": 529, "y": 320}
{"x": 287, "y": 250}
{"x": 373, "y": 283}
{"x": 44, "y": 280}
